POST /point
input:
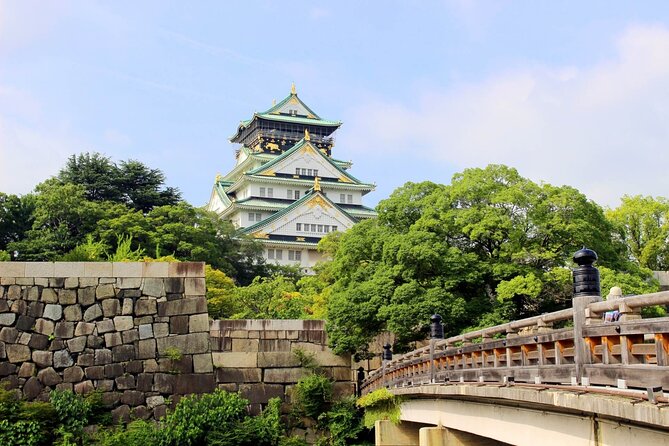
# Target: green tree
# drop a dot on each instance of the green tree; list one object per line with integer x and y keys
{"x": 489, "y": 247}
{"x": 131, "y": 183}
{"x": 642, "y": 224}
{"x": 16, "y": 217}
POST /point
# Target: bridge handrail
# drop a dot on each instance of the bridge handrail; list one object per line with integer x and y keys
{"x": 606, "y": 346}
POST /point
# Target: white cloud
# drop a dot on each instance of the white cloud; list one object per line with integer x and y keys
{"x": 601, "y": 128}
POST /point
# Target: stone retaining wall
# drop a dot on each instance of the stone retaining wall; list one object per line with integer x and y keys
{"x": 258, "y": 357}
{"x": 136, "y": 331}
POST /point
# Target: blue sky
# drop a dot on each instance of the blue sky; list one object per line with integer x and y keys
{"x": 567, "y": 92}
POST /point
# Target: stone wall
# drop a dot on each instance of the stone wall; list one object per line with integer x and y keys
{"x": 258, "y": 357}
{"x": 136, "y": 331}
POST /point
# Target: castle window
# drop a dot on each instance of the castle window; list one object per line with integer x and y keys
{"x": 309, "y": 172}
{"x": 298, "y": 227}
{"x": 289, "y": 194}
{"x": 279, "y": 254}
{"x": 349, "y": 199}
{"x": 298, "y": 255}
{"x": 313, "y": 228}
{"x": 326, "y": 228}
{"x": 270, "y": 254}
{"x": 334, "y": 228}
{"x": 315, "y": 172}
{"x": 297, "y": 194}
{"x": 320, "y": 228}
{"x": 291, "y": 254}
{"x": 297, "y": 171}
{"x": 262, "y": 191}
{"x": 342, "y": 198}
{"x": 270, "y": 192}
{"x": 304, "y": 172}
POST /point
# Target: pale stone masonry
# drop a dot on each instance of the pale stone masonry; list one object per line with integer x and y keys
{"x": 140, "y": 333}
{"x": 257, "y": 357}
{"x": 137, "y": 331}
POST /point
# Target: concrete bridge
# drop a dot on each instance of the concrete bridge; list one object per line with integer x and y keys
{"x": 593, "y": 374}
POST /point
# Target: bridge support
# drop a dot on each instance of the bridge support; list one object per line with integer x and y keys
{"x": 440, "y": 436}
{"x": 388, "y": 434}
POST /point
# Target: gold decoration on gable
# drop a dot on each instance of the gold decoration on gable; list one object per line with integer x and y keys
{"x": 262, "y": 235}
{"x": 293, "y": 101}
{"x": 300, "y": 239}
{"x": 272, "y": 146}
{"x": 343, "y": 179}
{"x": 219, "y": 177}
{"x": 318, "y": 201}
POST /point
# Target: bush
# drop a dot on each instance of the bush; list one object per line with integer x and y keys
{"x": 342, "y": 422}
{"x": 380, "y": 404}
{"x": 72, "y": 412}
{"x": 137, "y": 433}
{"x": 312, "y": 395}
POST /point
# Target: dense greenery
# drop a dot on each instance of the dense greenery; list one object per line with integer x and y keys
{"x": 490, "y": 247}
{"x": 94, "y": 206}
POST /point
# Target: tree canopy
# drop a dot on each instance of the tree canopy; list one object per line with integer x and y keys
{"x": 491, "y": 246}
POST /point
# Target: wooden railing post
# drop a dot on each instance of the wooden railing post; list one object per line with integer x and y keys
{"x": 586, "y": 291}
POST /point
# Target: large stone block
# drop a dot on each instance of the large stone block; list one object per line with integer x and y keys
{"x": 103, "y": 356}
{"x": 261, "y": 393}
{"x": 155, "y": 269}
{"x": 194, "y": 383}
{"x": 145, "y": 307}
{"x": 179, "y": 325}
{"x": 7, "y": 369}
{"x": 186, "y": 269}
{"x": 35, "y": 309}
{"x": 92, "y": 313}
{"x": 161, "y": 329}
{"x": 130, "y": 336}
{"x": 104, "y": 326}
{"x": 195, "y": 286}
{"x": 7, "y": 319}
{"x": 123, "y": 323}
{"x": 71, "y": 283}
{"x": 174, "y": 285}
{"x": 64, "y": 330}
{"x": 38, "y": 341}
{"x": 49, "y": 377}
{"x": 49, "y": 296}
{"x": 73, "y": 374}
{"x": 233, "y": 375}
{"x": 86, "y": 296}
{"x": 44, "y": 326}
{"x": 145, "y": 331}
{"x": 273, "y": 345}
{"x": 111, "y": 307}
{"x": 84, "y": 388}
{"x": 245, "y": 345}
{"x": 95, "y": 372}
{"x": 9, "y": 334}
{"x": 68, "y": 269}
{"x": 202, "y": 363}
{"x": 198, "y": 323}
{"x": 123, "y": 353}
{"x": 234, "y": 359}
{"x": 190, "y": 305}
{"x": 113, "y": 339}
{"x": 190, "y": 343}
{"x": 98, "y": 269}
{"x": 153, "y": 287}
{"x": 277, "y": 360}
{"x": 127, "y": 269}
{"x": 128, "y": 307}
{"x": 77, "y": 345}
{"x": 72, "y": 313}
{"x": 53, "y": 312}
{"x": 42, "y": 359}
{"x": 25, "y": 323}
{"x": 323, "y": 355}
{"x": 84, "y": 328}
{"x": 164, "y": 383}
{"x": 125, "y": 283}
{"x": 105, "y": 291}
{"x": 62, "y": 359}
{"x": 125, "y": 382}
{"x": 113, "y": 370}
{"x": 146, "y": 349}
{"x": 12, "y": 269}
{"x": 33, "y": 293}
{"x": 67, "y": 296}
{"x": 285, "y": 375}
{"x": 32, "y": 388}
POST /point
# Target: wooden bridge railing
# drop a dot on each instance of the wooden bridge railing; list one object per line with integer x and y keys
{"x": 628, "y": 352}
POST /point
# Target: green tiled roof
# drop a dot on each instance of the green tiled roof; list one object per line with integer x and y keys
{"x": 285, "y": 101}
{"x": 298, "y": 119}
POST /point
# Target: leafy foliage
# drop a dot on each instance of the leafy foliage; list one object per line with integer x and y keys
{"x": 380, "y": 404}
{"x": 342, "y": 422}
{"x": 489, "y": 247}
{"x": 312, "y": 395}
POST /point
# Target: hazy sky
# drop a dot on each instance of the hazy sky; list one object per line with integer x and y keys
{"x": 568, "y": 92}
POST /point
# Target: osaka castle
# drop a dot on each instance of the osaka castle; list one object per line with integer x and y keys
{"x": 286, "y": 189}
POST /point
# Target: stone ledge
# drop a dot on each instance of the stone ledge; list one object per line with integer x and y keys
{"x": 102, "y": 269}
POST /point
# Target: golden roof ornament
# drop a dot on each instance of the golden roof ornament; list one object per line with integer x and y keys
{"x": 292, "y": 88}
{"x": 317, "y": 184}
{"x": 219, "y": 177}
{"x": 307, "y": 137}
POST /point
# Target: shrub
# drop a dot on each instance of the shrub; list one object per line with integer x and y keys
{"x": 312, "y": 395}
{"x": 342, "y": 422}
{"x": 21, "y": 433}
{"x": 72, "y": 413}
{"x": 380, "y": 404}
{"x": 137, "y": 433}
{"x": 195, "y": 417}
